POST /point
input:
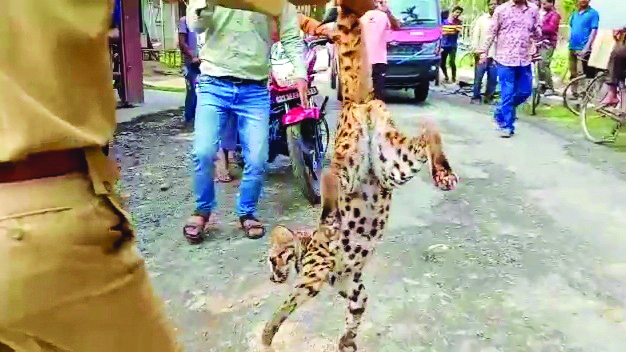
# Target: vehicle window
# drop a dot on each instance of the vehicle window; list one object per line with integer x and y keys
{"x": 415, "y": 13}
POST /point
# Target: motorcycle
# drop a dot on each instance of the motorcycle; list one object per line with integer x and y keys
{"x": 300, "y": 133}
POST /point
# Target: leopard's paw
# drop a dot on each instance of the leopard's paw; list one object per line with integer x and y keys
{"x": 445, "y": 179}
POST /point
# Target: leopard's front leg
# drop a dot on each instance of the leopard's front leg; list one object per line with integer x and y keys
{"x": 357, "y": 301}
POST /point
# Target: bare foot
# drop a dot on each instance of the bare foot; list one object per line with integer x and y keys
{"x": 609, "y": 101}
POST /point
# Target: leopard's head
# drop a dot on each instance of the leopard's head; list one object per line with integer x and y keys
{"x": 282, "y": 252}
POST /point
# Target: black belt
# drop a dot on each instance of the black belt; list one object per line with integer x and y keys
{"x": 237, "y": 80}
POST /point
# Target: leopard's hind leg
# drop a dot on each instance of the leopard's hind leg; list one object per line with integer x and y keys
{"x": 353, "y": 290}
{"x": 305, "y": 290}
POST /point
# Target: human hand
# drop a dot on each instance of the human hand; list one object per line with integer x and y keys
{"x": 483, "y": 58}
{"x": 303, "y": 89}
{"x": 195, "y": 60}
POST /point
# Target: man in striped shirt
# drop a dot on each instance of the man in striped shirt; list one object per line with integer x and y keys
{"x": 452, "y": 27}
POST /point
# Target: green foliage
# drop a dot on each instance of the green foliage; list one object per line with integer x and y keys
{"x": 560, "y": 62}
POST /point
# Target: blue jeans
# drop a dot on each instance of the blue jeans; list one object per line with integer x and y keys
{"x": 491, "y": 70}
{"x": 191, "y": 73}
{"x": 218, "y": 101}
{"x": 229, "y": 134}
{"x": 516, "y": 84}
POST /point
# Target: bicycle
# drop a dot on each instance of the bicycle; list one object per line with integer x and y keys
{"x": 602, "y": 124}
{"x": 538, "y": 87}
{"x": 573, "y": 101}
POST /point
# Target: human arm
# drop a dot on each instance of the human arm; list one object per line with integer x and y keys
{"x": 183, "y": 33}
{"x": 393, "y": 22}
{"x": 476, "y": 35}
{"x": 200, "y": 14}
{"x": 307, "y": 24}
{"x": 492, "y": 33}
{"x": 595, "y": 23}
{"x": 289, "y": 29}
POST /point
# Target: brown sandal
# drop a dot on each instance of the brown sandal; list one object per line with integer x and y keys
{"x": 251, "y": 225}
{"x": 195, "y": 227}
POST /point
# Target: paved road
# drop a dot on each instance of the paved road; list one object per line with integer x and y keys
{"x": 533, "y": 246}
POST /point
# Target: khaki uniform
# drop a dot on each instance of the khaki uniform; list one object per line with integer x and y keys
{"x": 71, "y": 278}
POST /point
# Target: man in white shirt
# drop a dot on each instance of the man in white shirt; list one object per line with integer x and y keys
{"x": 479, "y": 36}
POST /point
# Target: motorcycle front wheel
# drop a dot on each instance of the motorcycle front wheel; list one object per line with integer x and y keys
{"x": 304, "y": 164}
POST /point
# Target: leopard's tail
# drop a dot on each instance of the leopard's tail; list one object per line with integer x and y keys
{"x": 354, "y": 69}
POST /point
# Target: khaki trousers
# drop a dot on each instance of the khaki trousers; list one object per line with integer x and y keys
{"x": 71, "y": 278}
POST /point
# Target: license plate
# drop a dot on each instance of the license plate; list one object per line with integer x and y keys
{"x": 294, "y": 95}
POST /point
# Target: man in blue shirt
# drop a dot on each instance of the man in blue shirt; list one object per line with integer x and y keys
{"x": 583, "y": 29}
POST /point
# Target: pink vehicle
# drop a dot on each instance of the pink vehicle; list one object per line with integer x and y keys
{"x": 414, "y": 50}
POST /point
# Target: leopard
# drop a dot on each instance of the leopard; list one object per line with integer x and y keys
{"x": 371, "y": 159}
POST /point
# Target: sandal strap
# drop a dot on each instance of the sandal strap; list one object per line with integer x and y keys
{"x": 204, "y": 215}
{"x": 243, "y": 218}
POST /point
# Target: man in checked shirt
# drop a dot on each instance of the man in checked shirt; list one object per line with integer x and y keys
{"x": 515, "y": 26}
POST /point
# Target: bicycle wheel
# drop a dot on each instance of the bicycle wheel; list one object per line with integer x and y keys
{"x": 598, "y": 125}
{"x": 536, "y": 97}
{"x": 570, "y": 101}
{"x": 466, "y": 61}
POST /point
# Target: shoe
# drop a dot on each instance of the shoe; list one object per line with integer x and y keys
{"x": 475, "y": 101}
{"x": 505, "y": 133}
{"x": 549, "y": 92}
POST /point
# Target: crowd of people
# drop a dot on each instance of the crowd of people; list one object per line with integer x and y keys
{"x": 512, "y": 35}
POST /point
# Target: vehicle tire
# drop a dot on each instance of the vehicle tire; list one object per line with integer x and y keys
{"x": 598, "y": 125}
{"x": 308, "y": 185}
{"x": 339, "y": 92}
{"x": 573, "y": 105}
{"x": 333, "y": 75}
{"x": 536, "y": 99}
{"x": 421, "y": 92}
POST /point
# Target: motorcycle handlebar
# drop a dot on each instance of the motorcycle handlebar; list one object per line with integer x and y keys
{"x": 318, "y": 41}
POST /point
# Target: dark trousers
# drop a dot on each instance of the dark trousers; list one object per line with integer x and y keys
{"x": 379, "y": 77}
{"x": 491, "y": 70}
{"x": 574, "y": 69}
{"x": 617, "y": 66}
{"x": 191, "y": 75}
{"x": 445, "y": 54}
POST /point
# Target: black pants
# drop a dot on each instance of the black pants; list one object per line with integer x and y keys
{"x": 379, "y": 77}
{"x": 617, "y": 66}
{"x": 445, "y": 54}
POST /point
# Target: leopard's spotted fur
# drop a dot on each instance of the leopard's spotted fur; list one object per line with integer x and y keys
{"x": 371, "y": 158}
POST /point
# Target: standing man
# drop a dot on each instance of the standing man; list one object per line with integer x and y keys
{"x": 515, "y": 25}
{"x": 480, "y": 33}
{"x": 375, "y": 25}
{"x": 188, "y": 44}
{"x": 71, "y": 278}
{"x": 234, "y": 71}
{"x": 583, "y": 30}
{"x": 452, "y": 27}
{"x": 550, "y": 20}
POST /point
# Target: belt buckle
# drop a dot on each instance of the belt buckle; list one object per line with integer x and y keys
{"x": 236, "y": 80}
